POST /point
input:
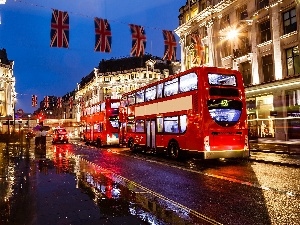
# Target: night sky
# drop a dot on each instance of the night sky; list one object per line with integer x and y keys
{"x": 43, "y": 70}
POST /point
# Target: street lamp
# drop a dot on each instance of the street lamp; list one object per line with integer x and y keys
{"x": 28, "y": 121}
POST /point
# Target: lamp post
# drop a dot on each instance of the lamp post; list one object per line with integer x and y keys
{"x": 28, "y": 122}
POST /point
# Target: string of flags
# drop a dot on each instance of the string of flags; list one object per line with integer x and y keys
{"x": 59, "y": 36}
{"x": 59, "y": 102}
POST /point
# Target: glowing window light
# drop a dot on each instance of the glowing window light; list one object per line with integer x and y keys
{"x": 232, "y": 34}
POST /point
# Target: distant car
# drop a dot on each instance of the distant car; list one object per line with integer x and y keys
{"x": 60, "y": 135}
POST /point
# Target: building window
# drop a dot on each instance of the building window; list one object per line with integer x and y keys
{"x": 262, "y": 4}
{"x": 293, "y": 60}
{"x": 226, "y": 48}
{"x": 225, "y": 21}
{"x": 267, "y": 68}
{"x": 245, "y": 69}
{"x": 289, "y": 21}
{"x": 265, "y": 31}
{"x": 243, "y": 12}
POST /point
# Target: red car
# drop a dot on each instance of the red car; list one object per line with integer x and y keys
{"x": 60, "y": 135}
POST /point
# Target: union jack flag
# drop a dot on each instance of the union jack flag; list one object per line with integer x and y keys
{"x": 199, "y": 49}
{"x": 103, "y": 35}
{"x": 170, "y": 45}
{"x": 59, "y": 102}
{"x": 59, "y": 29}
{"x": 138, "y": 35}
{"x": 34, "y": 101}
{"x": 46, "y": 101}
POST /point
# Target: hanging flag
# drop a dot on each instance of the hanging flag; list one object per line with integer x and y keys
{"x": 59, "y": 102}
{"x": 170, "y": 45}
{"x": 71, "y": 102}
{"x": 199, "y": 48}
{"x": 138, "y": 35}
{"x": 103, "y": 35}
{"x": 34, "y": 101}
{"x": 59, "y": 29}
{"x": 46, "y": 101}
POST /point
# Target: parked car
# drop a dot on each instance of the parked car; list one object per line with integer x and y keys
{"x": 60, "y": 135}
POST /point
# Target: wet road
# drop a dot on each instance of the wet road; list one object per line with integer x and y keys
{"x": 193, "y": 192}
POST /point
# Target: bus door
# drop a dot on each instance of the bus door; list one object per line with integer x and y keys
{"x": 150, "y": 137}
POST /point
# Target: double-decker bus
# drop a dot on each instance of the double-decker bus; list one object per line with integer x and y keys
{"x": 102, "y": 125}
{"x": 201, "y": 111}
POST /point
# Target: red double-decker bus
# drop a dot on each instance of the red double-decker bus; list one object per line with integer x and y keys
{"x": 102, "y": 124}
{"x": 201, "y": 111}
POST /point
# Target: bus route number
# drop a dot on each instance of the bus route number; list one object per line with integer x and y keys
{"x": 224, "y": 103}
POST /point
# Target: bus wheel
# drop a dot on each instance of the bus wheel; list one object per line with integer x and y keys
{"x": 131, "y": 145}
{"x": 173, "y": 150}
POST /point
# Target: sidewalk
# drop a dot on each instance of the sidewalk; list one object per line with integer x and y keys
{"x": 267, "y": 150}
{"x": 272, "y": 145}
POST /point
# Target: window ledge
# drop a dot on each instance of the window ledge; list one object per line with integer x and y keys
{"x": 288, "y": 35}
{"x": 264, "y": 43}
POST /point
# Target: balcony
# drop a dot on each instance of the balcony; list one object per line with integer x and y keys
{"x": 239, "y": 52}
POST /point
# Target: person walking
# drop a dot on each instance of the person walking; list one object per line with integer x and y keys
{"x": 43, "y": 138}
{"x": 38, "y": 135}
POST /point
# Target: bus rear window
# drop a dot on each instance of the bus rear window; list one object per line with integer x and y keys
{"x": 225, "y": 112}
{"x": 221, "y": 79}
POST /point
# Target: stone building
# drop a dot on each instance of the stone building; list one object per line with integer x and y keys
{"x": 260, "y": 38}
{"x": 7, "y": 89}
{"x": 116, "y": 76}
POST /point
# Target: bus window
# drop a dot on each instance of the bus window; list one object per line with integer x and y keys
{"x": 160, "y": 123}
{"x": 160, "y": 90}
{"x": 225, "y": 112}
{"x": 124, "y": 102}
{"x": 150, "y": 93}
{"x": 188, "y": 82}
{"x": 221, "y": 79}
{"x": 139, "y": 96}
{"x": 171, "y": 87}
{"x": 114, "y": 121}
{"x": 103, "y": 106}
{"x": 131, "y": 99}
{"x": 130, "y": 127}
{"x": 139, "y": 126}
{"x": 115, "y": 105}
{"x": 171, "y": 124}
{"x": 183, "y": 121}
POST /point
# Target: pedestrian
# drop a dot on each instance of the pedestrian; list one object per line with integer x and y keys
{"x": 38, "y": 138}
{"x": 28, "y": 137}
{"x": 43, "y": 138}
{"x": 98, "y": 142}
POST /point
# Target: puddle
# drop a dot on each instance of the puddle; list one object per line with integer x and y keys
{"x": 62, "y": 188}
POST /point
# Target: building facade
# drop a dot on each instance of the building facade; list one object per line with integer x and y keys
{"x": 7, "y": 90}
{"x": 114, "y": 77}
{"x": 260, "y": 38}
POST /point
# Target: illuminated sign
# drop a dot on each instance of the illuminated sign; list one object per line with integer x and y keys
{"x": 224, "y": 103}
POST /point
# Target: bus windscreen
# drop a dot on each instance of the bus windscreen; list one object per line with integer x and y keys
{"x": 225, "y": 112}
